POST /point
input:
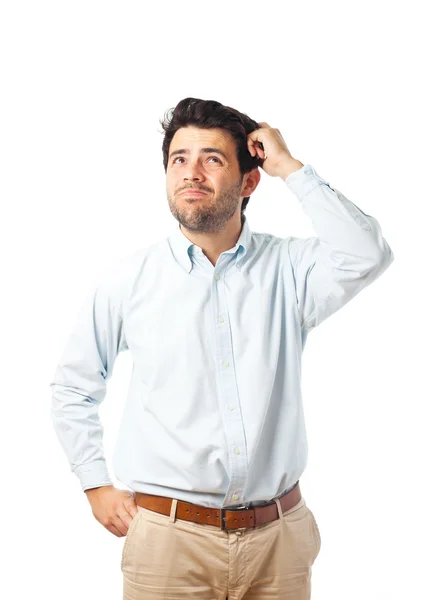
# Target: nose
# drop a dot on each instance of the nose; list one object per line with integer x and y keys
{"x": 193, "y": 172}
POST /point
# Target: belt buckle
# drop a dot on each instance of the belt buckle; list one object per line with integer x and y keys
{"x": 223, "y": 518}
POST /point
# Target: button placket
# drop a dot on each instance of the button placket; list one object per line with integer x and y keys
{"x": 234, "y": 430}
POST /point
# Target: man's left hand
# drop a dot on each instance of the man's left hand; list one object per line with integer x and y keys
{"x": 278, "y": 161}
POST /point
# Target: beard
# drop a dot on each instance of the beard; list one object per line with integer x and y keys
{"x": 204, "y": 215}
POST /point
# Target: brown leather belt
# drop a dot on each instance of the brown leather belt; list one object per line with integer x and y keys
{"x": 225, "y": 518}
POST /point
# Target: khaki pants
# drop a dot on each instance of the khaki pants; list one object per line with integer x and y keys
{"x": 172, "y": 559}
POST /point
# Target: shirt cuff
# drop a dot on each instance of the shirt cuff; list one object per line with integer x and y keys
{"x": 304, "y": 180}
{"x": 93, "y": 474}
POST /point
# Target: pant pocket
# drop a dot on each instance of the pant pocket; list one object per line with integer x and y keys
{"x": 316, "y": 531}
{"x": 128, "y": 535}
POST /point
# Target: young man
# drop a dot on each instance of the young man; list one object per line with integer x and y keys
{"x": 212, "y": 442}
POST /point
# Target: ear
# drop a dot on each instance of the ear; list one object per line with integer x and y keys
{"x": 251, "y": 182}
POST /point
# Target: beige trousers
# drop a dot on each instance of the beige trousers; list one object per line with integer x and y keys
{"x": 172, "y": 559}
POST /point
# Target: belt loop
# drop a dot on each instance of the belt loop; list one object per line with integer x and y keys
{"x": 174, "y": 504}
{"x": 278, "y": 504}
{"x": 222, "y": 518}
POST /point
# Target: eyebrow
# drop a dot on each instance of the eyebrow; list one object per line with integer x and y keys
{"x": 203, "y": 150}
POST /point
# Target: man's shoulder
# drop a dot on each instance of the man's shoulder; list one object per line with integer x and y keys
{"x": 269, "y": 239}
{"x": 125, "y": 267}
{"x": 136, "y": 257}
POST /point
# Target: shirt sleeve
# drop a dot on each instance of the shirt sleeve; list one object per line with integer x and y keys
{"x": 81, "y": 376}
{"x": 348, "y": 253}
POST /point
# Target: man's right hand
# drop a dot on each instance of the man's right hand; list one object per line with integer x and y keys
{"x": 113, "y": 508}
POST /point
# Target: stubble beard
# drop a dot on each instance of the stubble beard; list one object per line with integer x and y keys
{"x": 207, "y": 215}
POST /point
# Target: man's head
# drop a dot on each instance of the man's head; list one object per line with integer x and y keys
{"x": 227, "y": 175}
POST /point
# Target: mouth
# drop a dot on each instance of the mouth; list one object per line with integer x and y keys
{"x": 193, "y": 193}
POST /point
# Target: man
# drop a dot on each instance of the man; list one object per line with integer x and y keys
{"x": 212, "y": 441}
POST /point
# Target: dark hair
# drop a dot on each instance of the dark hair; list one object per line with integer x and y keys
{"x": 207, "y": 114}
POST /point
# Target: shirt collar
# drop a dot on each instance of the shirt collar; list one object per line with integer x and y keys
{"x": 183, "y": 248}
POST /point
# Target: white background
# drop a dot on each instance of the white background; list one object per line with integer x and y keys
{"x": 350, "y": 86}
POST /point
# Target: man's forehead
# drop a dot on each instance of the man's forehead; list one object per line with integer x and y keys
{"x": 215, "y": 136}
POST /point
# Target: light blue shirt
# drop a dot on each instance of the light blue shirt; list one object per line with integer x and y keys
{"x": 214, "y": 410}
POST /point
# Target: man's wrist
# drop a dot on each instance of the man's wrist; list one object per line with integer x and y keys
{"x": 290, "y": 167}
{"x": 91, "y": 490}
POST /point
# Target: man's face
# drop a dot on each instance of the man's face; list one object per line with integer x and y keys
{"x": 211, "y": 172}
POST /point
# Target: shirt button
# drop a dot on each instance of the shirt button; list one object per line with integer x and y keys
{"x": 221, "y": 319}
{"x": 217, "y": 277}
{"x": 235, "y": 497}
{"x": 231, "y": 406}
{"x": 225, "y": 363}
{"x": 237, "y": 451}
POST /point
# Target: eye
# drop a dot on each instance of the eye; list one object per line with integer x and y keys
{"x": 214, "y": 157}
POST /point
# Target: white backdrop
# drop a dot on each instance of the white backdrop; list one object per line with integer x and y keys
{"x": 350, "y": 87}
